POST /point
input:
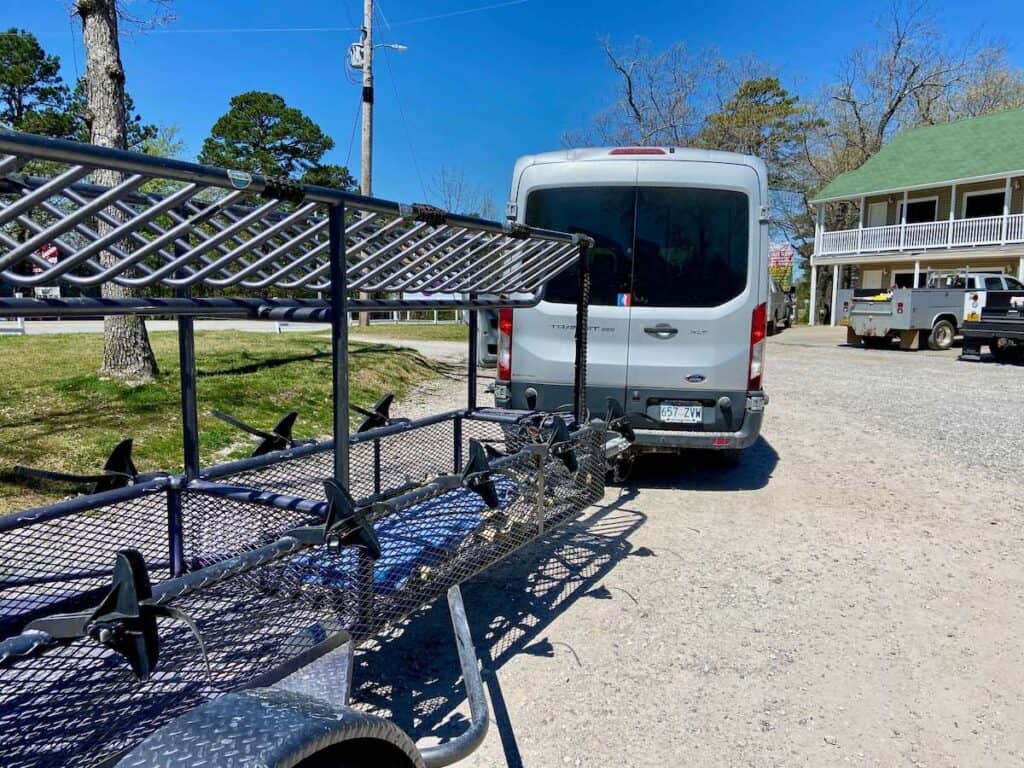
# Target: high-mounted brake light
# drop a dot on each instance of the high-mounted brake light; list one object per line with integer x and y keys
{"x": 758, "y": 332}
{"x": 638, "y": 151}
{"x": 505, "y": 344}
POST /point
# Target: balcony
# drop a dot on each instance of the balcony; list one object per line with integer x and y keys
{"x": 958, "y": 233}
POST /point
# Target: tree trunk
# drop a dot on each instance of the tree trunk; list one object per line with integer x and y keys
{"x": 127, "y": 353}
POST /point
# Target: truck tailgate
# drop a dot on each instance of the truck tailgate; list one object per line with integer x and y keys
{"x": 870, "y": 316}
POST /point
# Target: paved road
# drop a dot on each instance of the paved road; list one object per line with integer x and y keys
{"x": 852, "y": 594}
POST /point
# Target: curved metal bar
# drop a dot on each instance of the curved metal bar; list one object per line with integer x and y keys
{"x": 459, "y": 748}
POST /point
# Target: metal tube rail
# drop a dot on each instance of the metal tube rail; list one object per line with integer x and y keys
{"x": 439, "y": 755}
{"x": 291, "y": 310}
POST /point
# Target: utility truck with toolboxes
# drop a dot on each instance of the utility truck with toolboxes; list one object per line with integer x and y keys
{"x": 678, "y": 303}
{"x": 932, "y": 315}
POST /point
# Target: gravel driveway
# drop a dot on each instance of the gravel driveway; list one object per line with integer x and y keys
{"x": 852, "y": 594}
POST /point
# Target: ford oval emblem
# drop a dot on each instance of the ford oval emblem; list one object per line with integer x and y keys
{"x": 695, "y": 378}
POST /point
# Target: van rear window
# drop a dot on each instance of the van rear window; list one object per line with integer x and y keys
{"x": 604, "y": 213}
{"x": 666, "y": 246}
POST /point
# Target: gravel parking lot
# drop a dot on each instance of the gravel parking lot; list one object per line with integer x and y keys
{"x": 853, "y": 593}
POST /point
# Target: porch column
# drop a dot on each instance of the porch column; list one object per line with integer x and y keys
{"x": 812, "y": 317}
{"x": 835, "y": 293}
{"x": 952, "y": 216}
{"x": 1020, "y": 269}
{"x": 860, "y": 225}
{"x": 1006, "y": 207}
{"x": 903, "y": 217}
{"x": 917, "y": 271}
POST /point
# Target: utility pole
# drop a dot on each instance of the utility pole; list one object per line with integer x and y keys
{"x": 366, "y": 163}
{"x": 366, "y": 166}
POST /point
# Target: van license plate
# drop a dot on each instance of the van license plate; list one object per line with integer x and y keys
{"x": 681, "y": 414}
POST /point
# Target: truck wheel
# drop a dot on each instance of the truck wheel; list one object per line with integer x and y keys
{"x": 942, "y": 335}
{"x": 770, "y": 330}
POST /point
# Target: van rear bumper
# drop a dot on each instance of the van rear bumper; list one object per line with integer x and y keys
{"x": 551, "y": 397}
{"x": 663, "y": 439}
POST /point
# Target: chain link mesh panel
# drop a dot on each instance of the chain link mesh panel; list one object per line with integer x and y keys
{"x": 55, "y": 565}
{"x": 78, "y": 702}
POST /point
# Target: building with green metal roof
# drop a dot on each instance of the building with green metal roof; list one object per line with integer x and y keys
{"x": 939, "y": 198}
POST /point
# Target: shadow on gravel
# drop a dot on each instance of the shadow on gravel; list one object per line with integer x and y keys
{"x": 706, "y": 470}
{"x": 412, "y": 676}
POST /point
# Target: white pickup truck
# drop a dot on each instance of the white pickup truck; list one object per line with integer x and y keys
{"x": 932, "y": 315}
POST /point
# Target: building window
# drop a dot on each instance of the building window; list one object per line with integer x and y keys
{"x": 877, "y": 214}
{"x": 980, "y": 204}
{"x": 920, "y": 211}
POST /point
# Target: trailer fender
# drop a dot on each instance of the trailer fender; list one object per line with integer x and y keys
{"x": 272, "y": 728}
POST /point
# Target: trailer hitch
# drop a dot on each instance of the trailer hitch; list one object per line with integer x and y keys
{"x": 118, "y": 472}
{"x": 617, "y": 419}
{"x": 125, "y": 620}
{"x": 278, "y": 439}
{"x": 380, "y": 416}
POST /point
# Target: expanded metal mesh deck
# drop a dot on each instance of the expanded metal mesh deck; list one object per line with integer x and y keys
{"x": 102, "y": 216}
{"x": 79, "y": 702}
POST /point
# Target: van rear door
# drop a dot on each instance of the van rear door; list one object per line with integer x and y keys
{"x": 696, "y": 273}
{"x": 598, "y": 199}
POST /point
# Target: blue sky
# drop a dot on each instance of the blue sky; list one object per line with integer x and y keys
{"x": 476, "y": 89}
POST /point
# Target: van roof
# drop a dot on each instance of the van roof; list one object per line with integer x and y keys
{"x": 670, "y": 153}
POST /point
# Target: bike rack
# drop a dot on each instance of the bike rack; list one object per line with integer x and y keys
{"x": 159, "y": 605}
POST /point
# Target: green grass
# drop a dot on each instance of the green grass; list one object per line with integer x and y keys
{"x": 413, "y": 331}
{"x": 57, "y": 414}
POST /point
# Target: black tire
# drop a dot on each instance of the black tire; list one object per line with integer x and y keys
{"x": 620, "y": 471}
{"x": 1005, "y": 351}
{"x": 941, "y": 337}
{"x": 770, "y": 330}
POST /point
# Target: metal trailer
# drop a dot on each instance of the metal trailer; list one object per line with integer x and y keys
{"x": 997, "y": 324}
{"x": 912, "y": 315}
{"x": 210, "y": 616}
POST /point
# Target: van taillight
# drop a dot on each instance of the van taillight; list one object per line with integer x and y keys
{"x": 758, "y": 331}
{"x": 505, "y": 344}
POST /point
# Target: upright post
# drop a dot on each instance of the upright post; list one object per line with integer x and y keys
{"x": 835, "y": 294}
{"x": 903, "y": 218}
{"x": 474, "y": 322}
{"x": 366, "y": 159}
{"x": 813, "y": 308}
{"x": 579, "y": 383}
{"x": 339, "y": 340}
{"x": 1007, "y": 192}
{"x": 189, "y": 437}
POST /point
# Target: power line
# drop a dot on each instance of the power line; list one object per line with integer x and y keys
{"x": 277, "y": 30}
{"x": 405, "y": 123}
{"x": 463, "y": 12}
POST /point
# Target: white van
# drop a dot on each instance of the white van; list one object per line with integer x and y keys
{"x": 679, "y": 291}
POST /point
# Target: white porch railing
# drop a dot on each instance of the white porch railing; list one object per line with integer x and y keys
{"x": 990, "y": 230}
